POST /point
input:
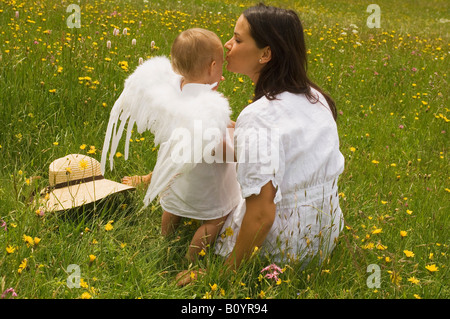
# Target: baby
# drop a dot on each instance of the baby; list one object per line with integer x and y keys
{"x": 210, "y": 191}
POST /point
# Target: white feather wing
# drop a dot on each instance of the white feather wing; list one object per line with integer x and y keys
{"x": 153, "y": 101}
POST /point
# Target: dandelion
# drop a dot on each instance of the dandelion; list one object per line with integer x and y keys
{"x": 375, "y": 162}
{"x": 82, "y": 146}
{"x": 29, "y": 240}
{"x": 86, "y": 295}
{"x": 213, "y": 287}
{"x": 22, "y": 265}
{"x": 414, "y": 280}
{"x": 118, "y": 154}
{"x": 417, "y": 296}
{"x": 92, "y": 150}
{"x": 228, "y": 231}
{"x": 109, "y": 226}
{"x": 92, "y": 258}
{"x": 395, "y": 277}
{"x": 432, "y": 268}
{"x": 408, "y": 253}
{"x": 262, "y": 294}
{"x": 123, "y": 65}
{"x": 207, "y": 295}
{"x": 403, "y": 233}
{"x": 83, "y": 284}
{"x": 202, "y": 253}
{"x": 83, "y": 164}
{"x": 36, "y": 240}
{"x": 10, "y": 249}
{"x": 377, "y": 230}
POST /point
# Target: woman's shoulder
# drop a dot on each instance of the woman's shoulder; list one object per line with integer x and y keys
{"x": 256, "y": 113}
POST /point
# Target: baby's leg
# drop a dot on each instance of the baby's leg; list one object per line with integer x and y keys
{"x": 205, "y": 235}
{"x": 137, "y": 180}
{"x": 169, "y": 222}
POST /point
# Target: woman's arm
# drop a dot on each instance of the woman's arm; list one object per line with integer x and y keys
{"x": 258, "y": 219}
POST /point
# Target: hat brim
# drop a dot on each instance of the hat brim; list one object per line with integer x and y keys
{"x": 81, "y": 194}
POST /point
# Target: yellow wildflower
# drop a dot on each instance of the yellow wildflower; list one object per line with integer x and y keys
{"x": 403, "y": 233}
{"x": 432, "y": 268}
{"x": 83, "y": 283}
{"x": 228, "y": 231}
{"x": 413, "y": 280}
{"x": 213, "y": 287}
{"x": 83, "y": 164}
{"x": 86, "y": 295}
{"x": 376, "y": 231}
{"x": 92, "y": 258}
{"x": 109, "y": 226}
{"x": 29, "y": 240}
{"x": 22, "y": 265}
{"x": 10, "y": 249}
{"x": 408, "y": 253}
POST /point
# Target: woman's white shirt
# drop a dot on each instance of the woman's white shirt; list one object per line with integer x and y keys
{"x": 294, "y": 144}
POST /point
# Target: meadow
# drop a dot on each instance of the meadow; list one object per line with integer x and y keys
{"x": 57, "y": 87}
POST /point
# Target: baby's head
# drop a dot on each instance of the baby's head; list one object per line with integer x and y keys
{"x": 197, "y": 55}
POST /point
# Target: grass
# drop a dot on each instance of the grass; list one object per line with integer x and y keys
{"x": 57, "y": 86}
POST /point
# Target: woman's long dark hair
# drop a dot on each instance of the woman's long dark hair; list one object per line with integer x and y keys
{"x": 282, "y": 31}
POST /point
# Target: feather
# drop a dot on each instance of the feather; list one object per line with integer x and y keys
{"x": 152, "y": 100}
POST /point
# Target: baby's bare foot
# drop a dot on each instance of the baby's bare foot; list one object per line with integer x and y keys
{"x": 137, "y": 180}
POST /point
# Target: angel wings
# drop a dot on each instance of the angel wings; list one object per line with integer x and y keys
{"x": 185, "y": 126}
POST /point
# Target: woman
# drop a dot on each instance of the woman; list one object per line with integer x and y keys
{"x": 291, "y": 210}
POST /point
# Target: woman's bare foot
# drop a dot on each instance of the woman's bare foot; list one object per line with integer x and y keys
{"x": 137, "y": 180}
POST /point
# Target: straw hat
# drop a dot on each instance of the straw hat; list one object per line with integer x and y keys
{"x": 76, "y": 180}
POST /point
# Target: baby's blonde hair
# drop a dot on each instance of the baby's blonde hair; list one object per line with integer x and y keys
{"x": 193, "y": 51}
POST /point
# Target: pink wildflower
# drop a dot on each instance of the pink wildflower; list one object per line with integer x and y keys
{"x": 273, "y": 270}
{"x": 9, "y": 290}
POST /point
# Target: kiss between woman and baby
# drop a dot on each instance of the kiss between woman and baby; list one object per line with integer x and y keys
{"x": 281, "y": 196}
